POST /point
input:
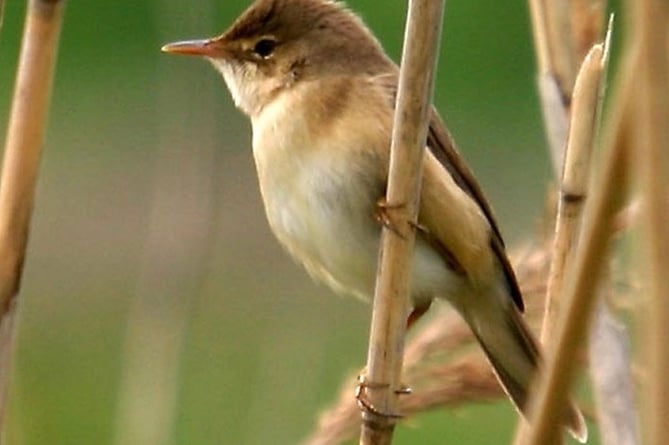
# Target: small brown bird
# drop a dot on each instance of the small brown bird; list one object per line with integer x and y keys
{"x": 320, "y": 92}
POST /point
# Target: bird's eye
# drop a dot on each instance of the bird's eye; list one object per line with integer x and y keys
{"x": 264, "y": 48}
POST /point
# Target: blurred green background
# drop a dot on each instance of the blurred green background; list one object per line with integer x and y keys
{"x": 148, "y": 210}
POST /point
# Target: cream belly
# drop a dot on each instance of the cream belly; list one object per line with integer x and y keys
{"x": 323, "y": 212}
{"x": 325, "y": 222}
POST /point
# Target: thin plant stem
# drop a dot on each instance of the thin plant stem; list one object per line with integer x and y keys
{"x": 540, "y": 34}
{"x": 391, "y": 299}
{"x": 653, "y": 170}
{"x": 550, "y": 82}
{"x": 25, "y": 136}
{"x": 608, "y": 352}
{"x": 556, "y": 99}
{"x": 560, "y": 45}
{"x": 559, "y": 35}
{"x": 573, "y": 190}
{"x": 23, "y": 148}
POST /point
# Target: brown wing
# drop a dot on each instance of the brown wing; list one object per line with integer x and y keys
{"x": 441, "y": 145}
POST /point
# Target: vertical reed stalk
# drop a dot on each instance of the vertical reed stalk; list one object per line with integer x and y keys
{"x": 561, "y": 46}
{"x": 585, "y": 109}
{"x": 23, "y": 147}
{"x": 652, "y": 134}
{"x": 391, "y": 299}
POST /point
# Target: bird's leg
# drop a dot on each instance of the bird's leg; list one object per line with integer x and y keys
{"x": 417, "y": 312}
{"x": 418, "y": 227}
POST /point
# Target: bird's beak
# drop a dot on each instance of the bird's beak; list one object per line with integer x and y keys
{"x": 205, "y": 47}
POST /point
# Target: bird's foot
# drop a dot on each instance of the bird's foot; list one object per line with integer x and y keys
{"x": 365, "y": 405}
{"x": 384, "y": 216}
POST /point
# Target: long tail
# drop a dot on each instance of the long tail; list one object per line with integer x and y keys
{"x": 513, "y": 353}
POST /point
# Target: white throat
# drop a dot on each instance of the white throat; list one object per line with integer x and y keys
{"x": 251, "y": 90}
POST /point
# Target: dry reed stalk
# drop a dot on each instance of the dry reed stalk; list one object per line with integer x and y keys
{"x": 652, "y": 136}
{"x": 550, "y": 81}
{"x": 561, "y": 46}
{"x": 584, "y": 121}
{"x": 609, "y": 352}
{"x": 390, "y": 308}
{"x": 580, "y": 293}
{"x": 23, "y": 147}
{"x": 585, "y": 108}
{"x": 561, "y": 33}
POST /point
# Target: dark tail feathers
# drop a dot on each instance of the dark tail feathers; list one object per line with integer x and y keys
{"x": 514, "y": 355}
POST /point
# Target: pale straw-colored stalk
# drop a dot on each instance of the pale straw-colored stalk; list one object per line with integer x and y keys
{"x": 652, "y": 141}
{"x": 391, "y": 299}
{"x": 586, "y": 104}
{"x": 23, "y": 150}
